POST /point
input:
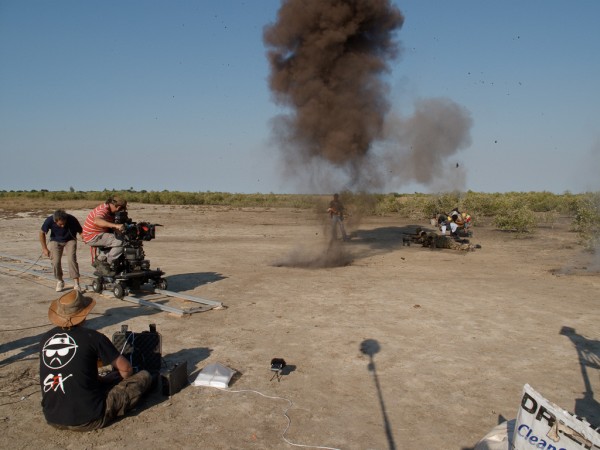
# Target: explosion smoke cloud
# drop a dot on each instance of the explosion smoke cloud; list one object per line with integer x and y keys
{"x": 418, "y": 147}
{"x": 328, "y": 63}
{"x": 327, "y": 58}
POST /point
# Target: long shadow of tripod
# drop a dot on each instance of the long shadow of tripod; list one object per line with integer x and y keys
{"x": 588, "y": 353}
{"x": 370, "y": 347}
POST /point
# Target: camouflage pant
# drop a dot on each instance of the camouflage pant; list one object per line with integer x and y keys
{"x": 120, "y": 399}
{"x": 434, "y": 240}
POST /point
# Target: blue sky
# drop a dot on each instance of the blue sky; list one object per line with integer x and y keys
{"x": 173, "y": 94}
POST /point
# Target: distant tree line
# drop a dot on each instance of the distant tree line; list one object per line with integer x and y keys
{"x": 520, "y": 212}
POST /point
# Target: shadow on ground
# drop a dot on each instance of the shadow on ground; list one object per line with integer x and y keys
{"x": 29, "y": 345}
{"x": 189, "y": 281}
{"x": 370, "y": 347}
{"x": 385, "y": 238}
{"x": 588, "y": 353}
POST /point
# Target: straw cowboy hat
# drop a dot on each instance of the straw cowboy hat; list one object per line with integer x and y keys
{"x": 70, "y": 309}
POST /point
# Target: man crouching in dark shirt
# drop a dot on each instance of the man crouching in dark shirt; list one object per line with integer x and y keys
{"x": 74, "y": 397}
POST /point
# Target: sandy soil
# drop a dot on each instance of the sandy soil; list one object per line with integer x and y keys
{"x": 456, "y": 335}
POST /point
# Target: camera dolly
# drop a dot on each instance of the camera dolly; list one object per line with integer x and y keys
{"x": 131, "y": 270}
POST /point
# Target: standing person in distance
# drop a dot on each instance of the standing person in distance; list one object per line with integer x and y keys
{"x": 336, "y": 213}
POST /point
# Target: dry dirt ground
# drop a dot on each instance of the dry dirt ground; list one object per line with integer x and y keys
{"x": 455, "y": 335}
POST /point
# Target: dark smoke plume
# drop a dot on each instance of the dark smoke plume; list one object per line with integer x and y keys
{"x": 328, "y": 58}
{"x": 328, "y": 63}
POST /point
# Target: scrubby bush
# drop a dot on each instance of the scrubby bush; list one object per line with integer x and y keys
{"x": 587, "y": 220}
{"x": 481, "y": 204}
{"x": 515, "y": 216}
{"x": 388, "y": 204}
{"x": 547, "y": 218}
{"x": 362, "y": 203}
{"x": 542, "y": 201}
{"x": 568, "y": 204}
{"x": 518, "y": 211}
{"x": 415, "y": 206}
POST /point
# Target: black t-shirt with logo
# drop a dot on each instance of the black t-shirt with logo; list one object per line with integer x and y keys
{"x": 71, "y": 392}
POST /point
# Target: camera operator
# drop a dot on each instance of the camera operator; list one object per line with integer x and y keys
{"x": 98, "y": 231}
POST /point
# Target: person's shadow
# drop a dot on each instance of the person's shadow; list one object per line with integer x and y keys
{"x": 588, "y": 352}
{"x": 29, "y": 345}
{"x": 370, "y": 347}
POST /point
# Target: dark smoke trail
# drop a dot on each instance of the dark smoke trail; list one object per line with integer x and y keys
{"x": 328, "y": 58}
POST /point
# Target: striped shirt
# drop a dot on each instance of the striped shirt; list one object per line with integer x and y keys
{"x": 90, "y": 229}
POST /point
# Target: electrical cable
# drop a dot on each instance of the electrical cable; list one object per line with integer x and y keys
{"x": 285, "y": 413}
{"x": 19, "y": 274}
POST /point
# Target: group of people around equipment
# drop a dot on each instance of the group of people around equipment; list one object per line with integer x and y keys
{"x": 74, "y": 395}
{"x": 456, "y": 223}
{"x": 97, "y": 231}
{"x": 454, "y": 228}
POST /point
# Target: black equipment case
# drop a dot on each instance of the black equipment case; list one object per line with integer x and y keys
{"x": 143, "y": 350}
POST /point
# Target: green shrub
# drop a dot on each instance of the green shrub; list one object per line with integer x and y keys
{"x": 547, "y": 218}
{"x": 587, "y": 220}
{"x": 388, "y": 204}
{"x": 482, "y": 204}
{"x": 515, "y": 217}
{"x": 542, "y": 201}
{"x": 508, "y": 211}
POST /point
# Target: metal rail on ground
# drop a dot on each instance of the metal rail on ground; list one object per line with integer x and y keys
{"x": 154, "y": 298}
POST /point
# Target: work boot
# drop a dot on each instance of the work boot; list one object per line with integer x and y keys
{"x": 103, "y": 269}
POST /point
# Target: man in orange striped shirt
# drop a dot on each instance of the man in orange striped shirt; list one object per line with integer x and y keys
{"x": 99, "y": 225}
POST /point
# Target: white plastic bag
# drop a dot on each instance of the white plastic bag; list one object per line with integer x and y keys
{"x": 214, "y": 375}
{"x": 499, "y": 438}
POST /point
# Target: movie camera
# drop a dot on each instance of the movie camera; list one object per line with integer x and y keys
{"x": 134, "y": 232}
{"x": 131, "y": 269}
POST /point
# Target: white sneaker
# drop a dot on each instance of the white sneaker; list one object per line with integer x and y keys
{"x": 78, "y": 287}
{"x": 60, "y": 286}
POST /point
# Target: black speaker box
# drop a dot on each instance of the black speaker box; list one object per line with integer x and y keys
{"x": 174, "y": 379}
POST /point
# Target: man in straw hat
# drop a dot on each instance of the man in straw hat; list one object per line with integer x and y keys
{"x": 74, "y": 396}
